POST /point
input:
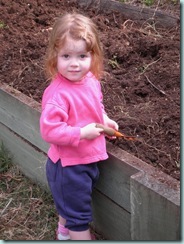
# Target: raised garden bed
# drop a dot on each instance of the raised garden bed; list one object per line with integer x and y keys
{"x": 134, "y": 199}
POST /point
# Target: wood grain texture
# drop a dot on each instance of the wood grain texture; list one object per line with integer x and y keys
{"x": 158, "y": 18}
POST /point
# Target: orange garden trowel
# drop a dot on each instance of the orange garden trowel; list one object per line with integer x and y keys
{"x": 112, "y": 132}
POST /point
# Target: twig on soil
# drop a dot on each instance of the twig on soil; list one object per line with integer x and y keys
{"x": 6, "y": 206}
{"x": 21, "y": 71}
{"x": 158, "y": 150}
{"x": 177, "y": 163}
{"x": 115, "y": 19}
{"x": 47, "y": 29}
{"x": 127, "y": 21}
{"x": 161, "y": 91}
{"x": 153, "y": 22}
{"x": 35, "y": 63}
{"x": 148, "y": 32}
{"x": 156, "y": 8}
{"x": 147, "y": 66}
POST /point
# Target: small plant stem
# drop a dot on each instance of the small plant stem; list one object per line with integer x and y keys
{"x": 150, "y": 65}
{"x": 154, "y": 85}
{"x": 6, "y": 206}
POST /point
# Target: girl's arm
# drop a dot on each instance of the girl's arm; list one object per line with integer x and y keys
{"x": 54, "y": 129}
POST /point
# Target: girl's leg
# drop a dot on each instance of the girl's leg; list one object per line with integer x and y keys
{"x": 80, "y": 235}
{"x": 62, "y": 232}
{"x": 62, "y": 221}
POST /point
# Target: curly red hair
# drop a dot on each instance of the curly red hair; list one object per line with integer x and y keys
{"x": 76, "y": 26}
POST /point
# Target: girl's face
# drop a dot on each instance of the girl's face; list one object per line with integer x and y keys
{"x": 73, "y": 61}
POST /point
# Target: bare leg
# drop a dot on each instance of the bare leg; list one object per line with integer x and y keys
{"x": 62, "y": 232}
{"x": 80, "y": 235}
{"x": 76, "y": 235}
{"x": 62, "y": 220}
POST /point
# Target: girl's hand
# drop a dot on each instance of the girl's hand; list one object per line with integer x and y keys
{"x": 110, "y": 123}
{"x": 90, "y": 131}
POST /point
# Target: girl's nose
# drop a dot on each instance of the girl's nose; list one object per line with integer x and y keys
{"x": 74, "y": 62}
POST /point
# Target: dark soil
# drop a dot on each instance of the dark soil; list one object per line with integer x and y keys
{"x": 141, "y": 84}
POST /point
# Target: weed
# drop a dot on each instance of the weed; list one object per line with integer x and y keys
{"x": 174, "y": 1}
{"x": 148, "y": 2}
{"x": 113, "y": 62}
{"x": 5, "y": 159}
{"x": 2, "y": 24}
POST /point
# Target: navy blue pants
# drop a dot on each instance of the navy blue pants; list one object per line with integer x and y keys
{"x": 71, "y": 188}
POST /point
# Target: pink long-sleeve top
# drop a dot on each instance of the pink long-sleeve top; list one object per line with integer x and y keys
{"x": 66, "y": 107}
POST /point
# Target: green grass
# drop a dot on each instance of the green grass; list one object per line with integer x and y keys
{"x": 5, "y": 159}
{"x": 27, "y": 211}
{"x": 148, "y": 2}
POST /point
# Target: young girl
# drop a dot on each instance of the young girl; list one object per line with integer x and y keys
{"x": 71, "y": 107}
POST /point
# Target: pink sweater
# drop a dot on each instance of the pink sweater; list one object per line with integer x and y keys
{"x": 66, "y": 107}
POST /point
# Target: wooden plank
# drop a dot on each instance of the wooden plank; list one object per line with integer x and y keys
{"x": 32, "y": 164}
{"x": 114, "y": 181}
{"x": 155, "y": 209}
{"x": 119, "y": 186}
{"x": 115, "y": 174}
{"x": 30, "y": 160}
{"x": 134, "y": 13}
{"x": 21, "y": 114}
{"x": 110, "y": 220}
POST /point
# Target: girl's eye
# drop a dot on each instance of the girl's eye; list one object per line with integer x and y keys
{"x": 65, "y": 56}
{"x": 82, "y": 55}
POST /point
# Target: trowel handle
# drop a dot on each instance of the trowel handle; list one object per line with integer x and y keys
{"x": 109, "y": 131}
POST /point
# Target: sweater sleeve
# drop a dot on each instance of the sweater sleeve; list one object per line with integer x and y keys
{"x": 54, "y": 129}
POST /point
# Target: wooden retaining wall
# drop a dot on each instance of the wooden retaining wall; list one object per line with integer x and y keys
{"x": 135, "y": 13}
{"x": 132, "y": 200}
